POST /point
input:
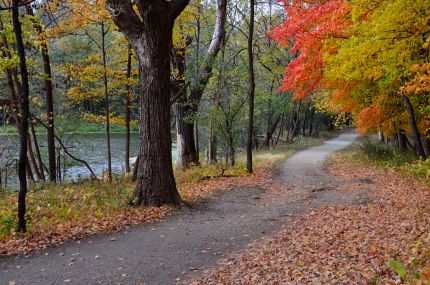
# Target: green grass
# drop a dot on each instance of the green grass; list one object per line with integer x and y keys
{"x": 368, "y": 150}
{"x": 57, "y": 204}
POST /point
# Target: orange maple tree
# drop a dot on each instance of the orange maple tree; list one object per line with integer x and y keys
{"x": 306, "y": 29}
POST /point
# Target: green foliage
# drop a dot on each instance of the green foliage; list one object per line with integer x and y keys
{"x": 398, "y": 267}
{"x": 7, "y": 224}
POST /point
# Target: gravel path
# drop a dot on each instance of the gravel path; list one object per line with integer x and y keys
{"x": 180, "y": 246}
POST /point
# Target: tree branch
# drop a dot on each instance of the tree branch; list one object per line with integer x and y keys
{"x": 125, "y": 17}
{"x": 176, "y": 8}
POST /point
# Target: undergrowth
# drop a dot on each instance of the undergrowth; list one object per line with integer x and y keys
{"x": 369, "y": 150}
{"x": 60, "y": 204}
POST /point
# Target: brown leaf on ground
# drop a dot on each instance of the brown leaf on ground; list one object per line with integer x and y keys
{"x": 342, "y": 244}
{"x": 42, "y": 237}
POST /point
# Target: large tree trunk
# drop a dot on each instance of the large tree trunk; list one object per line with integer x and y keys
{"x": 251, "y": 88}
{"x": 413, "y": 124}
{"x": 49, "y": 97}
{"x": 150, "y": 36}
{"x": 155, "y": 182}
{"x": 25, "y": 111}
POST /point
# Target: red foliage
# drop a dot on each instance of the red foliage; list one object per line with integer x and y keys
{"x": 308, "y": 26}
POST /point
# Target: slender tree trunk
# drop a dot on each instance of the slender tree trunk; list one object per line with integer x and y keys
{"x": 213, "y": 141}
{"x": 185, "y": 136}
{"x": 426, "y": 146}
{"x": 305, "y": 120}
{"x": 272, "y": 125}
{"x": 311, "y": 122}
{"x": 196, "y": 141}
{"x": 381, "y": 137}
{"x": 251, "y": 87}
{"x": 127, "y": 102}
{"x": 38, "y": 155}
{"x": 49, "y": 96}
{"x": 187, "y": 153}
{"x": 199, "y": 85}
{"x": 281, "y": 130}
{"x": 36, "y": 168}
{"x": 135, "y": 169}
{"x": 413, "y": 124}
{"x": 25, "y": 111}
{"x": 401, "y": 137}
{"x": 106, "y": 93}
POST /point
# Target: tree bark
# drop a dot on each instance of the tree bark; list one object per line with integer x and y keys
{"x": 272, "y": 125}
{"x": 25, "y": 111}
{"x": 401, "y": 137}
{"x": 413, "y": 124}
{"x": 127, "y": 102}
{"x": 49, "y": 96}
{"x": 187, "y": 152}
{"x": 33, "y": 161}
{"x": 199, "y": 85}
{"x": 106, "y": 93}
{"x": 426, "y": 146}
{"x": 150, "y": 36}
{"x": 185, "y": 136}
{"x": 251, "y": 92}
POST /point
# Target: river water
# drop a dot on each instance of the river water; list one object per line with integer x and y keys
{"x": 90, "y": 147}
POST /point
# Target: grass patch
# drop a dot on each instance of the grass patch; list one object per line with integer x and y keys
{"x": 369, "y": 150}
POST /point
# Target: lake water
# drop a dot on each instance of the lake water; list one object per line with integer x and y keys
{"x": 89, "y": 147}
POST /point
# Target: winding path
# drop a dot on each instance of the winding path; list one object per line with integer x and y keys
{"x": 177, "y": 248}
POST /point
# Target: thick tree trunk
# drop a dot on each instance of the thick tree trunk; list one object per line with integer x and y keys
{"x": 127, "y": 102}
{"x": 155, "y": 181}
{"x": 25, "y": 111}
{"x": 150, "y": 35}
{"x": 251, "y": 91}
{"x": 49, "y": 97}
{"x": 413, "y": 124}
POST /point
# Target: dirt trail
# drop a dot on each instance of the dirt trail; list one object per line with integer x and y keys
{"x": 177, "y": 248}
